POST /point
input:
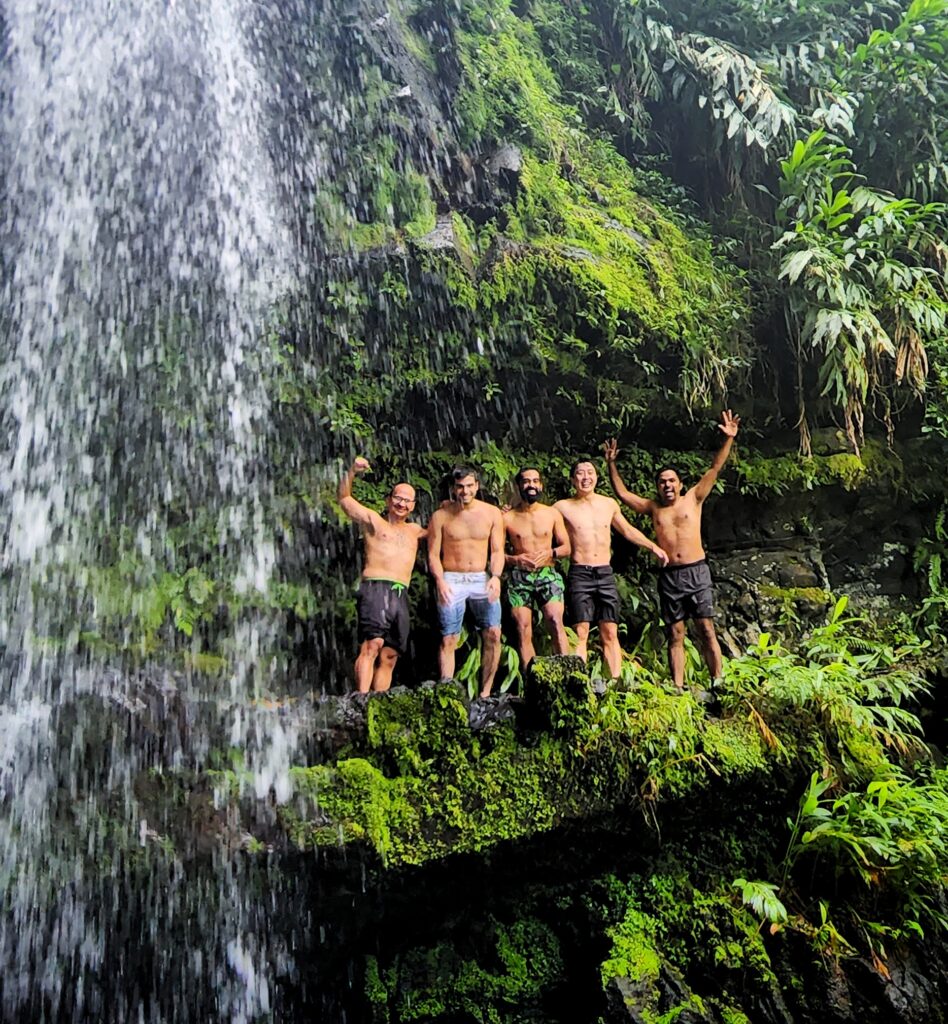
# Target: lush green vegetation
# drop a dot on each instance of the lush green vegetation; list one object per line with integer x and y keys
{"x": 809, "y": 819}
{"x": 551, "y": 223}
{"x": 804, "y": 147}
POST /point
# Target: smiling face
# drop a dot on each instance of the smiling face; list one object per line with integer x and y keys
{"x": 584, "y": 478}
{"x": 530, "y": 485}
{"x": 465, "y": 490}
{"x": 669, "y": 486}
{"x": 401, "y": 502}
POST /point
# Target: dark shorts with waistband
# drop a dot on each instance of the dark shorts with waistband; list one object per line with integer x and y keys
{"x": 684, "y": 592}
{"x": 536, "y": 588}
{"x": 591, "y": 594}
{"x": 383, "y": 612}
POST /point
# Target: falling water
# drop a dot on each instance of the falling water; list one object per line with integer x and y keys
{"x": 144, "y": 237}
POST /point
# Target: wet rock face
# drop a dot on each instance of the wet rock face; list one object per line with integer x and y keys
{"x": 639, "y": 1002}
{"x": 783, "y": 560}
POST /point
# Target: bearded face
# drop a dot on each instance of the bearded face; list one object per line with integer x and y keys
{"x": 530, "y": 486}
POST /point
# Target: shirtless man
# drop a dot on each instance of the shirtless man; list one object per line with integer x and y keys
{"x": 591, "y": 592}
{"x": 684, "y": 585}
{"x": 463, "y": 538}
{"x": 536, "y": 535}
{"x": 391, "y": 545}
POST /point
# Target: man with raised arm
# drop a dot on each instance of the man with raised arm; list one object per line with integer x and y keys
{"x": 684, "y": 585}
{"x": 591, "y": 593}
{"x": 465, "y": 540}
{"x": 390, "y": 548}
{"x": 536, "y": 536}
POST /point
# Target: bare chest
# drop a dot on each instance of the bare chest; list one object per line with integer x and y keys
{"x": 684, "y": 515}
{"x": 392, "y": 538}
{"x": 524, "y": 531}
{"x": 466, "y": 528}
{"x": 588, "y": 521}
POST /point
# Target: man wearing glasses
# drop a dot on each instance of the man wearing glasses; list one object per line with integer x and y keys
{"x": 390, "y": 548}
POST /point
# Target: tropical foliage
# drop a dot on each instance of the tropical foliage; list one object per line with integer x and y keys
{"x": 821, "y": 127}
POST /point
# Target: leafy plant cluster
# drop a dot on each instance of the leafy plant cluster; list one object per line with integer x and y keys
{"x": 452, "y": 982}
{"x": 827, "y": 831}
{"x": 820, "y": 127}
{"x": 931, "y": 557}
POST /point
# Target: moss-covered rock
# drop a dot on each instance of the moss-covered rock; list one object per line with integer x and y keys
{"x": 422, "y": 784}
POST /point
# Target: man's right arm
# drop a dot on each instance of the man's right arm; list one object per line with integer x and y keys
{"x": 625, "y": 529}
{"x": 635, "y": 501}
{"x": 728, "y": 426}
{"x": 434, "y": 556}
{"x": 355, "y": 510}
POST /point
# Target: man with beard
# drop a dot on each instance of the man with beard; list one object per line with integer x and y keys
{"x": 537, "y": 537}
{"x": 391, "y": 546}
{"x": 591, "y": 592}
{"x": 684, "y": 585}
{"x": 465, "y": 536}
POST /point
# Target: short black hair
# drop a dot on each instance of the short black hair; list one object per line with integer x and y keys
{"x": 577, "y": 464}
{"x": 460, "y": 472}
{"x": 667, "y": 469}
{"x": 526, "y": 469}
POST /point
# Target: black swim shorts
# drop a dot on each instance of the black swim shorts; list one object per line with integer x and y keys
{"x": 383, "y": 612}
{"x": 591, "y": 594}
{"x": 684, "y": 592}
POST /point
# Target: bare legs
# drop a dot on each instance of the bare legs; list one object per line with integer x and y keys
{"x": 676, "y": 653}
{"x": 523, "y": 619}
{"x": 374, "y": 666}
{"x": 490, "y": 657}
{"x": 449, "y": 644}
{"x": 382, "y": 679}
{"x": 710, "y": 648}
{"x": 582, "y": 639}
{"x": 553, "y": 615}
{"x": 611, "y": 651}
{"x": 707, "y": 642}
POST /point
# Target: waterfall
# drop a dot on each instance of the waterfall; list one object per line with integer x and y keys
{"x": 144, "y": 238}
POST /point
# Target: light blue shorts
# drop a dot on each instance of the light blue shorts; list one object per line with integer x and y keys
{"x": 468, "y": 591}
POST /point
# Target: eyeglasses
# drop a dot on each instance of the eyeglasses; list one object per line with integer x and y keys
{"x": 396, "y": 500}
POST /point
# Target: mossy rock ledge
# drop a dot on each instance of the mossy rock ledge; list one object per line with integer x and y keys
{"x": 421, "y": 784}
{"x": 590, "y": 853}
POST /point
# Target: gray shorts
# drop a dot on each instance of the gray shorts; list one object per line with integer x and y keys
{"x": 684, "y": 592}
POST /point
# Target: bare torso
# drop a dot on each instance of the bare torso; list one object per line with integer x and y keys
{"x": 678, "y": 529}
{"x": 530, "y": 531}
{"x": 390, "y": 550}
{"x": 589, "y": 526}
{"x": 465, "y": 535}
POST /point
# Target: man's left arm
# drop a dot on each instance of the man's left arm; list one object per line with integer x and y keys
{"x": 728, "y": 426}
{"x": 561, "y": 544}
{"x": 497, "y": 558}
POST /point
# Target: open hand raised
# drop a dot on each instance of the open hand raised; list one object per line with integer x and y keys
{"x": 729, "y": 423}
